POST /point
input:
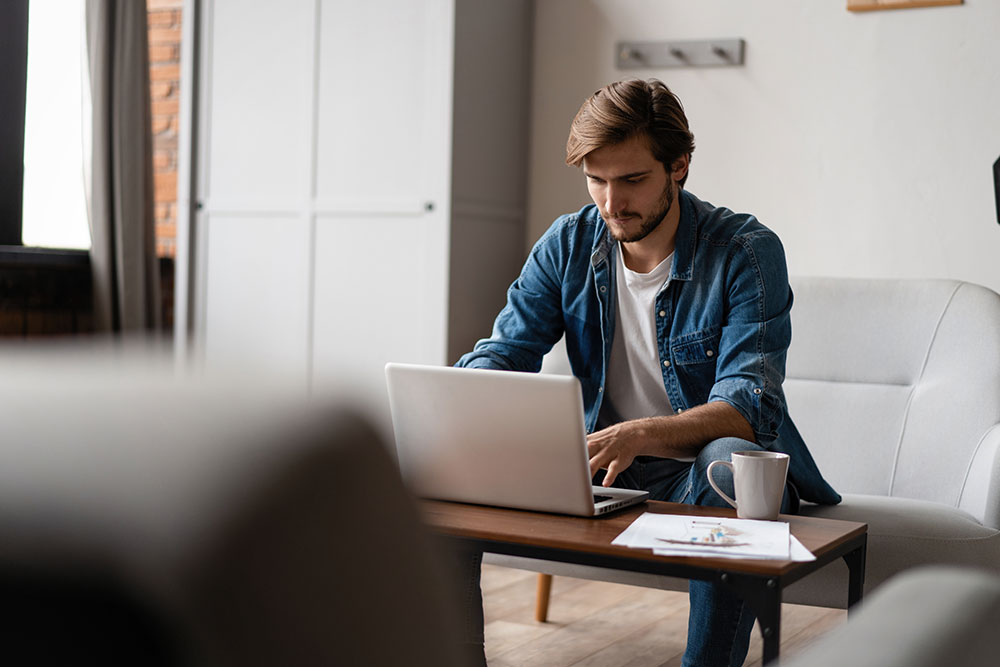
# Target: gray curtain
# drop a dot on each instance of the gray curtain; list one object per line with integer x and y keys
{"x": 120, "y": 188}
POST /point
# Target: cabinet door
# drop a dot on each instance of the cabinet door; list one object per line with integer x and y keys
{"x": 323, "y": 166}
{"x": 254, "y": 157}
{"x": 382, "y": 175}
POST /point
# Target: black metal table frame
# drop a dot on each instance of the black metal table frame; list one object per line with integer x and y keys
{"x": 761, "y": 591}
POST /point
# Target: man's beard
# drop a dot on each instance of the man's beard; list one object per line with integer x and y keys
{"x": 648, "y": 224}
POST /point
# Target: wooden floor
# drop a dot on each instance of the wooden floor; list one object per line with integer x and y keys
{"x": 597, "y": 624}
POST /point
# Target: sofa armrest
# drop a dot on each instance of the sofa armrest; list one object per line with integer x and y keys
{"x": 924, "y": 618}
{"x": 980, "y": 494}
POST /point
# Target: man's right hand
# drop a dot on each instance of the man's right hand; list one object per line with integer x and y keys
{"x": 613, "y": 449}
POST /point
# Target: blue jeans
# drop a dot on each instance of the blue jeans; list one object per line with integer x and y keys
{"x": 719, "y": 623}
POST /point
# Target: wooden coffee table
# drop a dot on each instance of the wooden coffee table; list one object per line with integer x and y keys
{"x": 587, "y": 541}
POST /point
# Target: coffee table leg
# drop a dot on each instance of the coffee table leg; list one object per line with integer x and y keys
{"x": 764, "y": 597}
{"x": 856, "y": 568}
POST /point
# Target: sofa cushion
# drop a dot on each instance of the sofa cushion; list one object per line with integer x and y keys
{"x": 903, "y": 518}
{"x": 894, "y": 385}
{"x": 902, "y": 533}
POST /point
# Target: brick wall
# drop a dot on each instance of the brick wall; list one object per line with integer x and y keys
{"x": 164, "y": 75}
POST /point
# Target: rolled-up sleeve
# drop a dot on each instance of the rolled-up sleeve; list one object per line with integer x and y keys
{"x": 756, "y": 333}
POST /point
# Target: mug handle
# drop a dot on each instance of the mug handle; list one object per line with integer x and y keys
{"x": 712, "y": 481}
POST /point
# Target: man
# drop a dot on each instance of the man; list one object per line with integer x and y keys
{"x": 676, "y": 320}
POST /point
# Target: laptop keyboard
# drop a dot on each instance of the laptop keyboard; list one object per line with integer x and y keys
{"x": 600, "y": 499}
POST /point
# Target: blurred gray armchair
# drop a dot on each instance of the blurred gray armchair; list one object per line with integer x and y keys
{"x": 926, "y": 617}
{"x": 149, "y": 518}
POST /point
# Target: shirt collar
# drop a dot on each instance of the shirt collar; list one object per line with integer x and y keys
{"x": 684, "y": 243}
{"x": 603, "y": 243}
{"x": 687, "y": 236}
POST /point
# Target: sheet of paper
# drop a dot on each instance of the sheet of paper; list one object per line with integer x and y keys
{"x": 682, "y": 535}
{"x": 797, "y": 553}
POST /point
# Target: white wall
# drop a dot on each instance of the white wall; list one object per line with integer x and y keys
{"x": 490, "y": 115}
{"x": 865, "y": 140}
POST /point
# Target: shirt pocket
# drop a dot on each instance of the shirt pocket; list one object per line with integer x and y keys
{"x": 703, "y": 350}
{"x": 694, "y": 362}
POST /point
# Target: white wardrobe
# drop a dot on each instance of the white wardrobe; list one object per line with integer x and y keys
{"x": 359, "y": 181}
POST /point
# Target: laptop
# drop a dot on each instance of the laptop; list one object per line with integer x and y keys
{"x": 496, "y": 438}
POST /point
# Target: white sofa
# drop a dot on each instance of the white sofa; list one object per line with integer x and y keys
{"x": 895, "y": 386}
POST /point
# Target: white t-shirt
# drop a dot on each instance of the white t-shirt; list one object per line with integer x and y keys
{"x": 634, "y": 385}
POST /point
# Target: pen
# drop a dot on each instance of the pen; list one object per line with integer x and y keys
{"x": 703, "y": 544}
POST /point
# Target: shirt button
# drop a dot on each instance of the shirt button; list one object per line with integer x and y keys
{"x": 757, "y": 390}
{"x": 603, "y": 289}
{"x": 663, "y": 313}
{"x": 600, "y": 389}
{"x": 666, "y": 363}
{"x": 709, "y": 353}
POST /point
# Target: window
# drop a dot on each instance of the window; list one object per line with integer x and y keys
{"x": 42, "y": 200}
{"x": 54, "y": 203}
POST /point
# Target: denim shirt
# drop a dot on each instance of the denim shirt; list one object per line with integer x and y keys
{"x": 722, "y": 321}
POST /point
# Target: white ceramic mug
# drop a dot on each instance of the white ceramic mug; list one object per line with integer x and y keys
{"x": 759, "y": 479}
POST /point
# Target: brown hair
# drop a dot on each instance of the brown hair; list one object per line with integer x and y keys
{"x": 626, "y": 109}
